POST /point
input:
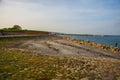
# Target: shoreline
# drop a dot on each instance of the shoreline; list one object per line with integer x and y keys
{"x": 62, "y": 46}
{"x": 94, "y": 44}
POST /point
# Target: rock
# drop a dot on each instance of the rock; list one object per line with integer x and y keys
{"x": 84, "y": 78}
{"x": 118, "y": 78}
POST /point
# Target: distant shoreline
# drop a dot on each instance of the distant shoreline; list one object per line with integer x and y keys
{"x": 88, "y": 35}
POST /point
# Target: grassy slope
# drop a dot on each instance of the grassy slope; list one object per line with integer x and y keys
{"x": 16, "y": 64}
{"x": 21, "y": 30}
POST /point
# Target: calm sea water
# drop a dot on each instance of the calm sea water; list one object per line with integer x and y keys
{"x": 106, "y": 40}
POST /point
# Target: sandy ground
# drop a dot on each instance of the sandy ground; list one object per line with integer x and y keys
{"x": 59, "y": 46}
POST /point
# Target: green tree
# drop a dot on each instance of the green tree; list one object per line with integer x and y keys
{"x": 17, "y": 27}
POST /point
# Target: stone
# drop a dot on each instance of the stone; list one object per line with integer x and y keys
{"x": 84, "y": 78}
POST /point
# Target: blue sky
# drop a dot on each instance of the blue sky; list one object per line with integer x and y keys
{"x": 67, "y": 16}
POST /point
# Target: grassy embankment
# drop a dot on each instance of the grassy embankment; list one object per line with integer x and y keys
{"x": 21, "y": 30}
{"x": 23, "y": 65}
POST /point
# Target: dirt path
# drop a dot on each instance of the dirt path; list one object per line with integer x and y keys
{"x": 59, "y": 46}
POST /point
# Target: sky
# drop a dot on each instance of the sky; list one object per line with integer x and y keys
{"x": 65, "y": 16}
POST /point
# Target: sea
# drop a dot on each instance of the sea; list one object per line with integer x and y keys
{"x": 109, "y": 40}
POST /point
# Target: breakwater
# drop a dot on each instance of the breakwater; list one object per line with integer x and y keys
{"x": 94, "y": 44}
{"x": 109, "y": 40}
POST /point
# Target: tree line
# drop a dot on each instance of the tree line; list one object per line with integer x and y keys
{"x": 14, "y": 28}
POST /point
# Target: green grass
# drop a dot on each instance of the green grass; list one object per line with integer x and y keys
{"x": 22, "y": 30}
{"x": 24, "y": 65}
{"x": 16, "y": 64}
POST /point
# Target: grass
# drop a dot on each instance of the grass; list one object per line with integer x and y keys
{"x": 23, "y": 65}
{"x": 16, "y": 64}
{"x": 21, "y": 30}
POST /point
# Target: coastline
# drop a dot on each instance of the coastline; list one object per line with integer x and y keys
{"x": 63, "y": 46}
{"x": 56, "y": 58}
{"x": 107, "y": 40}
{"x": 93, "y": 44}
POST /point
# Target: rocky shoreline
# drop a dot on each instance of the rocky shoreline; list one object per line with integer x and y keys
{"x": 62, "y": 46}
{"x": 93, "y": 44}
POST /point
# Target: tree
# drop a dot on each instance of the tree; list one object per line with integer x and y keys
{"x": 17, "y": 27}
{"x": 14, "y": 28}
